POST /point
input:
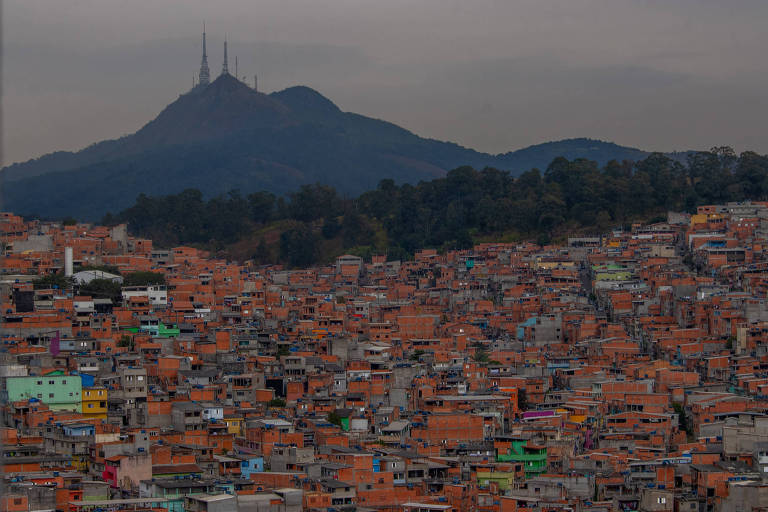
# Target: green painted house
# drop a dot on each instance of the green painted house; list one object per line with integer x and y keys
{"x": 156, "y": 328}
{"x": 534, "y": 458}
{"x": 57, "y": 391}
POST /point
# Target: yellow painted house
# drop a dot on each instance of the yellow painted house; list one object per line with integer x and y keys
{"x": 95, "y": 402}
{"x": 703, "y": 218}
{"x": 504, "y": 479}
{"x": 234, "y": 424}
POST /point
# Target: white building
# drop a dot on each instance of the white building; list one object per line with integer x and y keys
{"x": 157, "y": 294}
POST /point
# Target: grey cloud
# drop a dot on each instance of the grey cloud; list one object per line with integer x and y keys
{"x": 495, "y": 75}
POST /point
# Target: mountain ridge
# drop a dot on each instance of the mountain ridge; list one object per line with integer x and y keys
{"x": 228, "y": 136}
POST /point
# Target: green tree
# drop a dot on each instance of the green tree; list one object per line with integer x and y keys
{"x": 334, "y": 418}
{"x": 143, "y": 279}
{"x": 262, "y": 206}
{"x": 298, "y": 246}
{"x": 313, "y": 202}
{"x": 126, "y": 341}
{"x": 683, "y": 419}
{"x": 331, "y": 228}
{"x": 262, "y": 255}
{"x": 464, "y": 240}
{"x": 481, "y": 355}
{"x": 355, "y": 230}
{"x": 57, "y": 280}
{"x": 102, "y": 289}
{"x": 543, "y": 239}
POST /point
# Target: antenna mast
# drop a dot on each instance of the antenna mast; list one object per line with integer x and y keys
{"x": 205, "y": 73}
{"x": 225, "y": 67}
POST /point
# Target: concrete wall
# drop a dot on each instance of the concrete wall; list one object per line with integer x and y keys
{"x": 135, "y": 468}
{"x": 744, "y": 497}
{"x": 656, "y": 500}
{"x": 37, "y": 243}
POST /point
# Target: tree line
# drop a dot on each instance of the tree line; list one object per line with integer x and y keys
{"x": 465, "y": 206}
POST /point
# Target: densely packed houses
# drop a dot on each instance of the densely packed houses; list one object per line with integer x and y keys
{"x": 625, "y": 371}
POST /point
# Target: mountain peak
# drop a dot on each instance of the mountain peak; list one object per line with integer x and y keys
{"x": 226, "y": 82}
{"x": 217, "y": 110}
{"x": 307, "y": 101}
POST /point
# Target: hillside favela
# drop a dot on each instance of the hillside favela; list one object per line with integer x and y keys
{"x": 260, "y": 302}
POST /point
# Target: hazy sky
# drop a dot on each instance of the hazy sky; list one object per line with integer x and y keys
{"x": 495, "y": 75}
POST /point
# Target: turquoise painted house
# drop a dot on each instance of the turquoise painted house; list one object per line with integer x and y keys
{"x": 59, "y": 392}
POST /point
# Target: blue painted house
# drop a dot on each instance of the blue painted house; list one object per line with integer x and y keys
{"x": 250, "y": 464}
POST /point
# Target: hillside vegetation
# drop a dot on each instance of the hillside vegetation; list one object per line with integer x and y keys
{"x": 315, "y": 223}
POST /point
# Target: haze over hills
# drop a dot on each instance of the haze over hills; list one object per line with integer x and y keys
{"x": 227, "y": 136}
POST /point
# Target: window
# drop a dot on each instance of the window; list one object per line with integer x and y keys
{"x": 50, "y": 382}
{"x": 90, "y": 406}
{"x": 39, "y": 395}
{"x": 661, "y": 500}
{"x": 64, "y": 382}
{"x": 39, "y": 383}
{"x": 50, "y": 395}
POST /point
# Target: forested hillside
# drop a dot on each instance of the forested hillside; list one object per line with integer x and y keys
{"x": 315, "y": 223}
